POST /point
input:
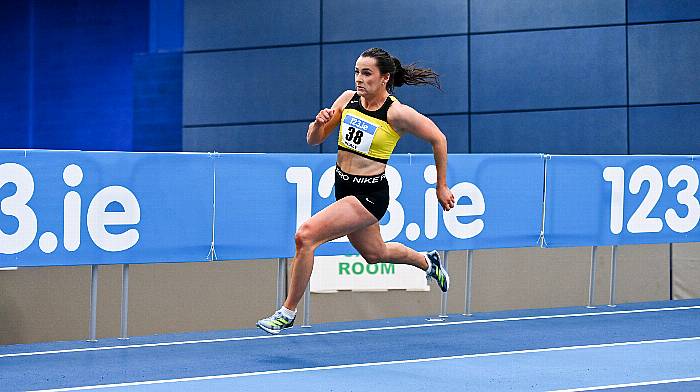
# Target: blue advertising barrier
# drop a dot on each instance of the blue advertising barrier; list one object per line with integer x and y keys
{"x": 261, "y": 199}
{"x": 73, "y": 208}
{"x": 616, "y": 200}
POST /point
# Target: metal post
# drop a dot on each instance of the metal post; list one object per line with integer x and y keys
{"x": 125, "y": 302}
{"x": 468, "y": 289}
{"x": 591, "y": 285}
{"x": 307, "y": 307}
{"x": 613, "y": 268}
{"x": 443, "y": 298}
{"x": 93, "y": 304}
{"x": 281, "y": 281}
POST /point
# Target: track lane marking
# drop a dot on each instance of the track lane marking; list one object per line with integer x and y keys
{"x": 346, "y": 331}
{"x": 369, "y": 364}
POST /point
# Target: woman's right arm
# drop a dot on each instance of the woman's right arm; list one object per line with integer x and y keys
{"x": 327, "y": 119}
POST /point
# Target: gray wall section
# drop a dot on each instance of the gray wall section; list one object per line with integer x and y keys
{"x": 45, "y": 304}
{"x": 686, "y": 271}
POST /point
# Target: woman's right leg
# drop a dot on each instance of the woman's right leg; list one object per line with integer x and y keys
{"x": 344, "y": 216}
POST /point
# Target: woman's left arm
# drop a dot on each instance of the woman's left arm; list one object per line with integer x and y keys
{"x": 408, "y": 120}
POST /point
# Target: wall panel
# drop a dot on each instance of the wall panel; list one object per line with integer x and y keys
{"x": 275, "y": 138}
{"x": 662, "y": 10}
{"x": 226, "y": 24}
{"x": 372, "y": 19}
{"x": 251, "y": 86}
{"x": 548, "y": 69}
{"x": 500, "y": 15}
{"x": 591, "y": 131}
{"x": 664, "y": 63}
{"x": 665, "y": 130}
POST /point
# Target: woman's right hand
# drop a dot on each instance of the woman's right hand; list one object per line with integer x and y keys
{"x": 324, "y": 116}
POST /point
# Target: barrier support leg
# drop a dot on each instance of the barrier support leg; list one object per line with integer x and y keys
{"x": 591, "y": 284}
{"x": 281, "y": 281}
{"x": 125, "y": 303}
{"x": 468, "y": 288}
{"x": 443, "y": 298}
{"x": 613, "y": 271}
{"x": 93, "y": 304}
{"x": 307, "y": 307}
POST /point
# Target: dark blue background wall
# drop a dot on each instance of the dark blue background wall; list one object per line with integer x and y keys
{"x": 77, "y": 75}
{"x": 555, "y": 76}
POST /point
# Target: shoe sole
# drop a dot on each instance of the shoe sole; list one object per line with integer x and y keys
{"x": 270, "y": 331}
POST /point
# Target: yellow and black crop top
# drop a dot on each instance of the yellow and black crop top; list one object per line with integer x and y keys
{"x": 367, "y": 132}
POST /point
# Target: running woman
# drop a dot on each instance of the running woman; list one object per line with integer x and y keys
{"x": 371, "y": 122}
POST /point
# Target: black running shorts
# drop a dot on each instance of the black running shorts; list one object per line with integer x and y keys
{"x": 371, "y": 191}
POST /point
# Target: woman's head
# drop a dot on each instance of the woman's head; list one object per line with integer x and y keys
{"x": 382, "y": 70}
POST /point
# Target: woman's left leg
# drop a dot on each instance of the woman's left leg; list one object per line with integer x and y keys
{"x": 368, "y": 241}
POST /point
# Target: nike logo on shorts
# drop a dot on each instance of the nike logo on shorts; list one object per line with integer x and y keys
{"x": 369, "y": 201}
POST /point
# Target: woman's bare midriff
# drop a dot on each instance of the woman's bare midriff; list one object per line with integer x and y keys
{"x": 359, "y": 165}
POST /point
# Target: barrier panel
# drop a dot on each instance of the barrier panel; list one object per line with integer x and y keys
{"x": 261, "y": 199}
{"x": 617, "y": 200}
{"x": 76, "y": 208}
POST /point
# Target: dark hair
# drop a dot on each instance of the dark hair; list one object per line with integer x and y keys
{"x": 398, "y": 74}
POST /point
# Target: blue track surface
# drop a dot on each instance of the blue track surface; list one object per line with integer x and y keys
{"x": 538, "y": 350}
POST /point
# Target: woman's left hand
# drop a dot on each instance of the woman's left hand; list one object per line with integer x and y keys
{"x": 445, "y": 197}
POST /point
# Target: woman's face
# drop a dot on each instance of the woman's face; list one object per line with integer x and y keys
{"x": 368, "y": 80}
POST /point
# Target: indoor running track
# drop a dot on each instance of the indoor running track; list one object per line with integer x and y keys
{"x": 633, "y": 347}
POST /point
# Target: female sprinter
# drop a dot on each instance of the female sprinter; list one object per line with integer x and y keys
{"x": 371, "y": 122}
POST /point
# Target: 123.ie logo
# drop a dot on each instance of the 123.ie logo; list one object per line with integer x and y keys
{"x": 98, "y": 218}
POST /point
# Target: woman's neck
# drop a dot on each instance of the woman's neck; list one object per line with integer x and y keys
{"x": 374, "y": 102}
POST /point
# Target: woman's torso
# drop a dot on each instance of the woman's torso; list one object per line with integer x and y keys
{"x": 366, "y": 139}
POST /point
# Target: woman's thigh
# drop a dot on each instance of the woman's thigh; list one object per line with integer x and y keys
{"x": 343, "y": 217}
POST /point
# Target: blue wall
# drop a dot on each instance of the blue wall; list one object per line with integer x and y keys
{"x": 70, "y": 73}
{"x": 77, "y": 75}
{"x": 15, "y": 75}
{"x": 555, "y": 76}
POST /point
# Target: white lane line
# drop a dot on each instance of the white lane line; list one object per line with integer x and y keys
{"x": 634, "y": 384}
{"x": 369, "y": 364}
{"x": 345, "y": 331}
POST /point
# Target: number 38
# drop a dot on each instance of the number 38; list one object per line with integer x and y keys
{"x": 354, "y": 135}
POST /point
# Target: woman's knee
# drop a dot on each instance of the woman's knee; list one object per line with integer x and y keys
{"x": 304, "y": 237}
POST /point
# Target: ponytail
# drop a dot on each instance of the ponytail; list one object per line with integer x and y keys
{"x": 413, "y": 75}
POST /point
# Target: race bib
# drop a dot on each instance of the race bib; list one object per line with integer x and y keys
{"x": 357, "y": 133}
